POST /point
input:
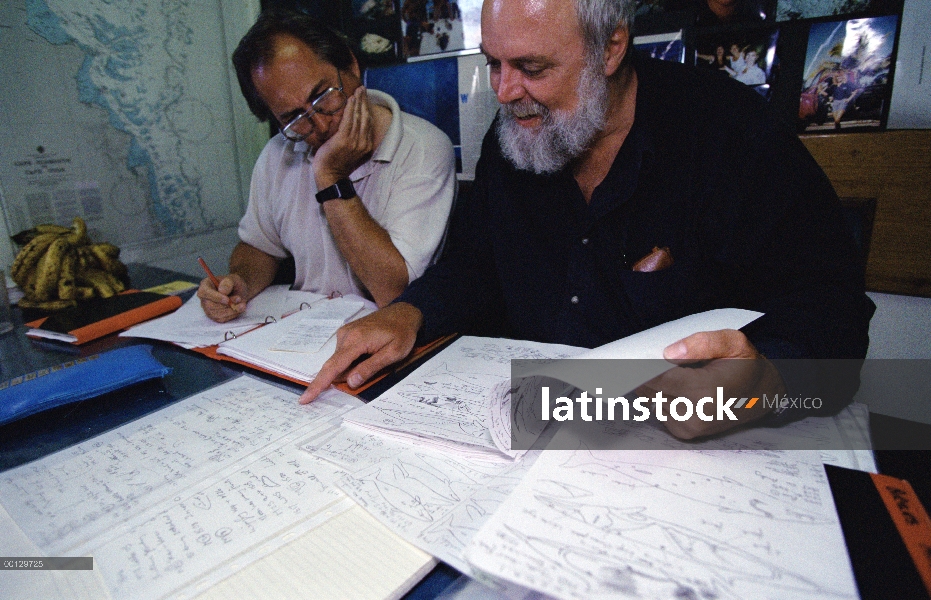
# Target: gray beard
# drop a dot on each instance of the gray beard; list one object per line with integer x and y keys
{"x": 561, "y": 136}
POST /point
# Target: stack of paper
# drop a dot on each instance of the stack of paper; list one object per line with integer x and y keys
{"x": 172, "y": 503}
{"x": 446, "y": 403}
{"x": 286, "y": 332}
{"x": 191, "y": 328}
{"x": 297, "y": 345}
{"x": 460, "y": 399}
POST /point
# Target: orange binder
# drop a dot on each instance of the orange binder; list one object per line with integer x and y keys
{"x": 98, "y": 317}
{"x": 416, "y": 353}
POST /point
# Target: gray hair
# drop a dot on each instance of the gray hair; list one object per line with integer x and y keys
{"x": 599, "y": 18}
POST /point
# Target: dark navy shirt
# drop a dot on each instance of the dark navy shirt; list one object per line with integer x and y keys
{"x": 707, "y": 171}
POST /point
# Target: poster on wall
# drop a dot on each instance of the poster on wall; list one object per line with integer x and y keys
{"x": 847, "y": 79}
{"x": 454, "y": 93}
{"x": 748, "y": 56}
{"x": 432, "y": 27}
{"x": 664, "y": 46}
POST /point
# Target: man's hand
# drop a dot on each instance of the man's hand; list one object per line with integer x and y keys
{"x": 388, "y": 335}
{"x": 226, "y": 301}
{"x": 350, "y": 146}
{"x": 713, "y": 359}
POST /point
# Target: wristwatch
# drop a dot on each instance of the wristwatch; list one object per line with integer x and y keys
{"x": 341, "y": 189}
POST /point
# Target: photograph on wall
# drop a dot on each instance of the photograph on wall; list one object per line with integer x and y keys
{"x": 377, "y": 28}
{"x": 437, "y": 26}
{"x": 746, "y": 56}
{"x": 846, "y": 80}
{"x": 664, "y": 46}
{"x": 787, "y": 10}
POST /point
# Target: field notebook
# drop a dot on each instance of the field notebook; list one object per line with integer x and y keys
{"x": 97, "y": 317}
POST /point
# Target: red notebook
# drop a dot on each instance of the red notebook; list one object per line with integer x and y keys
{"x": 95, "y": 318}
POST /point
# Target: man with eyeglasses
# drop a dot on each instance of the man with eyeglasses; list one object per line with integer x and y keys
{"x": 358, "y": 192}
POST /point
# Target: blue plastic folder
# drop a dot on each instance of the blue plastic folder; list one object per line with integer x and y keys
{"x": 76, "y": 380}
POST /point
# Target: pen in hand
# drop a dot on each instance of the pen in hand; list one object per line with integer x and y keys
{"x": 213, "y": 278}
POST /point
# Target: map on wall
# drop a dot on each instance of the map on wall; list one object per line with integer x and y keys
{"x": 120, "y": 112}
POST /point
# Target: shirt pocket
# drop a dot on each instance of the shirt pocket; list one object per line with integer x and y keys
{"x": 659, "y": 296}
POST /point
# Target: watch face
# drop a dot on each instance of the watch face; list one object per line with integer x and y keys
{"x": 345, "y": 188}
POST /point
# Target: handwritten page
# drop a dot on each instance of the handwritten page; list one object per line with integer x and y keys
{"x": 255, "y": 348}
{"x": 316, "y": 325}
{"x": 562, "y": 375}
{"x": 191, "y": 328}
{"x": 649, "y": 344}
{"x": 307, "y": 335}
{"x": 672, "y": 523}
{"x": 340, "y": 309}
{"x": 45, "y": 584}
{"x": 435, "y": 500}
{"x": 163, "y": 501}
{"x": 445, "y": 402}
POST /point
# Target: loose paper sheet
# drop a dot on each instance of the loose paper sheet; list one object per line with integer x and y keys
{"x": 191, "y": 328}
{"x": 459, "y": 399}
{"x": 672, "y": 523}
{"x": 316, "y": 325}
{"x": 165, "y": 500}
{"x": 446, "y": 401}
{"x": 435, "y": 500}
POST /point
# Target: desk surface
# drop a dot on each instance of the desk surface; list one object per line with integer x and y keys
{"x": 44, "y": 433}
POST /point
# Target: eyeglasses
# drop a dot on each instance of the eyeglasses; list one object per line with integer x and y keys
{"x": 329, "y": 102}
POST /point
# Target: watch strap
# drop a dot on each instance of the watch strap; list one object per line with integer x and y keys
{"x": 341, "y": 189}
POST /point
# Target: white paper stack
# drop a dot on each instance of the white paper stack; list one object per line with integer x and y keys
{"x": 445, "y": 404}
{"x": 292, "y": 345}
{"x": 189, "y": 327}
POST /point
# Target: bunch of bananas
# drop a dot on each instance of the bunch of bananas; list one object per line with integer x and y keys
{"x": 58, "y": 266}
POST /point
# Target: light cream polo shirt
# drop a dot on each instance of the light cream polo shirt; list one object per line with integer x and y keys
{"x": 407, "y": 186}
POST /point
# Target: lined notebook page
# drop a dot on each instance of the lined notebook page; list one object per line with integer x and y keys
{"x": 350, "y": 556}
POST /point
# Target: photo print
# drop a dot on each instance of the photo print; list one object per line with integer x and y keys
{"x": 664, "y": 46}
{"x": 846, "y": 79}
{"x": 376, "y": 28}
{"x": 747, "y": 56}
{"x": 438, "y": 26}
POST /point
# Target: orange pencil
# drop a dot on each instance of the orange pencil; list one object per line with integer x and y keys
{"x": 213, "y": 278}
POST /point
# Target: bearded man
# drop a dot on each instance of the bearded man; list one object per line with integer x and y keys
{"x": 615, "y": 193}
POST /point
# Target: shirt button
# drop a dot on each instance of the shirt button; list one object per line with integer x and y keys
{"x": 574, "y": 300}
{"x": 584, "y": 241}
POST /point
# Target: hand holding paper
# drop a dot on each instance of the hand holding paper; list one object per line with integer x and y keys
{"x": 708, "y": 360}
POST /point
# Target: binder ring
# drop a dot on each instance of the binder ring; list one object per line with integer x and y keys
{"x": 270, "y": 319}
{"x": 229, "y": 335}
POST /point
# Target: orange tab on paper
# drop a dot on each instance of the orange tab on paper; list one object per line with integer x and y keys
{"x": 910, "y": 519}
